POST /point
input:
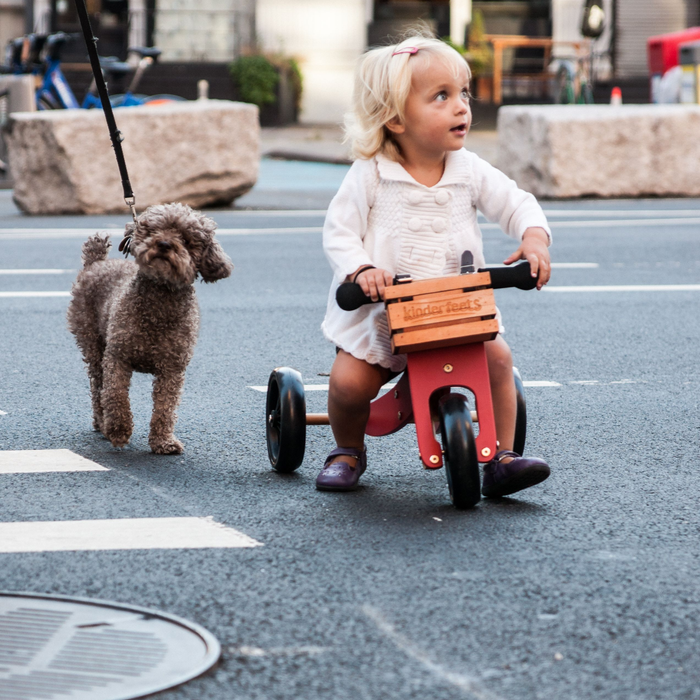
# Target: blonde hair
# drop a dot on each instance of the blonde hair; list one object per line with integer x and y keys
{"x": 382, "y": 85}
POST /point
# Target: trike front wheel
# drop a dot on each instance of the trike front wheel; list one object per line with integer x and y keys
{"x": 459, "y": 447}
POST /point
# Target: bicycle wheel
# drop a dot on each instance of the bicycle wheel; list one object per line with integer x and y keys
{"x": 459, "y": 447}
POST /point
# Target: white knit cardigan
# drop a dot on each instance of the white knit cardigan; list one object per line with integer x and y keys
{"x": 381, "y": 216}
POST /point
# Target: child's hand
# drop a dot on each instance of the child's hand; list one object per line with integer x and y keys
{"x": 373, "y": 281}
{"x": 533, "y": 248}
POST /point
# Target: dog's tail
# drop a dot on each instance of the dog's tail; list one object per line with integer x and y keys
{"x": 96, "y": 248}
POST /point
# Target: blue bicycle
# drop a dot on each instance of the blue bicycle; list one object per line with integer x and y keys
{"x": 40, "y": 55}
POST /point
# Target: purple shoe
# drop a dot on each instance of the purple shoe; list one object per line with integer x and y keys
{"x": 503, "y": 478}
{"x": 340, "y": 476}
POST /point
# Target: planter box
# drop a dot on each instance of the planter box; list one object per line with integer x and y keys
{"x": 601, "y": 150}
{"x": 200, "y": 153}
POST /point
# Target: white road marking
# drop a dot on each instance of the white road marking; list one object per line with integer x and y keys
{"x": 286, "y": 213}
{"x": 325, "y": 387}
{"x": 616, "y": 223}
{"x": 41, "y": 461}
{"x": 461, "y": 680}
{"x": 36, "y": 271}
{"x": 574, "y": 265}
{"x": 267, "y": 231}
{"x": 257, "y": 652}
{"x": 48, "y": 233}
{"x": 619, "y": 213}
{"x": 120, "y": 534}
{"x": 10, "y": 234}
{"x": 10, "y": 295}
{"x": 628, "y": 288}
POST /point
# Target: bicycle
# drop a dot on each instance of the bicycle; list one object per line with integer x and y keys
{"x": 40, "y": 55}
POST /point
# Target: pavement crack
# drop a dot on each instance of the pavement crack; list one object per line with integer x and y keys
{"x": 465, "y": 682}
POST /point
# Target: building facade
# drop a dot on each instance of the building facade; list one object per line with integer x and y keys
{"x": 328, "y": 36}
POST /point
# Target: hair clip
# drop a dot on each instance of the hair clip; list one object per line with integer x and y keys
{"x": 408, "y": 49}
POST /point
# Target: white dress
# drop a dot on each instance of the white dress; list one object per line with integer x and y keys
{"x": 381, "y": 216}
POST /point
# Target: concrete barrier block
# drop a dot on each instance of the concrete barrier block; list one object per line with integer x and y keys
{"x": 601, "y": 150}
{"x": 200, "y": 153}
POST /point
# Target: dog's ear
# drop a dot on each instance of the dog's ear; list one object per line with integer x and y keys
{"x": 214, "y": 263}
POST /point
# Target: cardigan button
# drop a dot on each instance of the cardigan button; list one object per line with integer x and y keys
{"x": 415, "y": 224}
{"x": 414, "y": 197}
{"x": 439, "y": 225}
{"x": 442, "y": 197}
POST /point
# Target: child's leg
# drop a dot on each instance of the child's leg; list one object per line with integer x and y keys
{"x": 353, "y": 384}
{"x": 500, "y": 363}
{"x": 507, "y": 472}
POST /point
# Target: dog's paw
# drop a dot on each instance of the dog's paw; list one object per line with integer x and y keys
{"x": 171, "y": 446}
{"x": 119, "y": 437}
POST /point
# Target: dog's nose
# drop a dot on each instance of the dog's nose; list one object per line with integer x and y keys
{"x": 164, "y": 246}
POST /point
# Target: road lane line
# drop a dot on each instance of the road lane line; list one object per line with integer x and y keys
{"x": 465, "y": 682}
{"x": 11, "y": 295}
{"x": 36, "y": 271}
{"x": 48, "y": 233}
{"x": 629, "y": 213}
{"x": 58, "y": 233}
{"x": 43, "y": 461}
{"x": 627, "y": 288}
{"x": 120, "y": 534}
{"x": 574, "y": 265}
{"x": 325, "y": 387}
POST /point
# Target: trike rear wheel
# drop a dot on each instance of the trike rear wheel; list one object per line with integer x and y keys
{"x": 459, "y": 447}
{"x": 285, "y": 422}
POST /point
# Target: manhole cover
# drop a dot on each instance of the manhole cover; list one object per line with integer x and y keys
{"x": 55, "y": 647}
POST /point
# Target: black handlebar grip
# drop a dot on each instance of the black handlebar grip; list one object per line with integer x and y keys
{"x": 503, "y": 276}
{"x": 350, "y": 296}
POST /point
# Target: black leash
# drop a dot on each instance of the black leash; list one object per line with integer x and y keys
{"x": 114, "y": 133}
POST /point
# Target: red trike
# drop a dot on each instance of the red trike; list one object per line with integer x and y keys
{"x": 441, "y": 324}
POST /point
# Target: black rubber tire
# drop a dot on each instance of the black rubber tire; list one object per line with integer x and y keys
{"x": 285, "y": 419}
{"x": 459, "y": 452}
{"x": 520, "y": 416}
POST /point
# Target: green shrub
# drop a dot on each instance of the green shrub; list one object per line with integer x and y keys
{"x": 256, "y": 78}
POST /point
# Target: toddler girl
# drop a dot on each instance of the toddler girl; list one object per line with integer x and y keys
{"x": 409, "y": 205}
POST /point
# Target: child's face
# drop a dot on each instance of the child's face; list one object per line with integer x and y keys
{"x": 437, "y": 110}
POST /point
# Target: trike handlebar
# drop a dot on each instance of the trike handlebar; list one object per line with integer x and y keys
{"x": 350, "y": 295}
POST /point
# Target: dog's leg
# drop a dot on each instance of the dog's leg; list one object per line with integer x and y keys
{"x": 117, "y": 420}
{"x": 93, "y": 351}
{"x": 166, "y": 396}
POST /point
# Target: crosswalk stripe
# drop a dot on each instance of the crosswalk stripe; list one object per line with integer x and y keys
{"x": 120, "y": 534}
{"x": 42, "y": 461}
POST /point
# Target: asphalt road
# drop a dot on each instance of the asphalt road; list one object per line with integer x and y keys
{"x": 585, "y": 587}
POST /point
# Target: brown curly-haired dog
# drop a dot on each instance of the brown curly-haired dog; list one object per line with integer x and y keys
{"x": 143, "y": 316}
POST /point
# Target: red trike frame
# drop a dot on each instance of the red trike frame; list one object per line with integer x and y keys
{"x": 427, "y": 372}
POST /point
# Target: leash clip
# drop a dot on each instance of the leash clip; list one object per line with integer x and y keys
{"x": 131, "y": 203}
